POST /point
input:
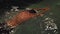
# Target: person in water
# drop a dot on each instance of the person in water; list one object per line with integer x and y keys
{"x": 22, "y": 17}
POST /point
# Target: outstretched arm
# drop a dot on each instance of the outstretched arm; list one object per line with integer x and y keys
{"x": 43, "y": 11}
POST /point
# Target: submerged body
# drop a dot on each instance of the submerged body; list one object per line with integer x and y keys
{"x": 24, "y": 16}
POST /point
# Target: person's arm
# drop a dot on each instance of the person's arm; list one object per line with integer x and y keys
{"x": 43, "y": 11}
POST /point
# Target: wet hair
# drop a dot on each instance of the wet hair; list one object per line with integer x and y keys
{"x": 32, "y": 11}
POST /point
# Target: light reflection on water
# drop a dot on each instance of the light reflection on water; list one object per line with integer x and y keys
{"x": 50, "y": 26}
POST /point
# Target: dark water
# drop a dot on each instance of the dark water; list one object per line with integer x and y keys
{"x": 33, "y": 26}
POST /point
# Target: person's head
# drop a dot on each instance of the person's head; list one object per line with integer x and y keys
{"x": 31, "y": 10}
